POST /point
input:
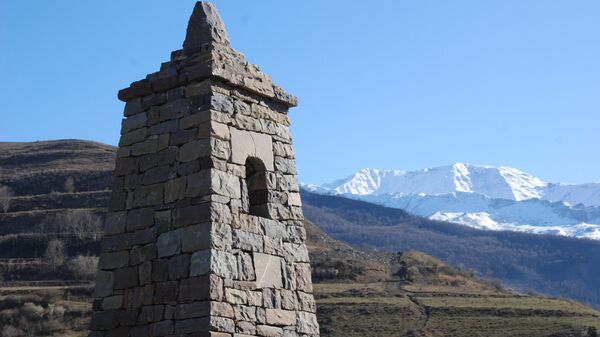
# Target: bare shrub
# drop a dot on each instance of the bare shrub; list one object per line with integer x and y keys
{"x": 52, "y": 325}
{"x": 31, "y": 310}
{"x": 69, "y": 185}
{"x": 413, "y": 274}
{"x": 11, "y": 331}
{"x": 56, "y": 311}
{"x": 6, "y": 193}
{"x": 55, "y": 253}
{"x": 84, "y": 267}
{"x": 78, "y": 223}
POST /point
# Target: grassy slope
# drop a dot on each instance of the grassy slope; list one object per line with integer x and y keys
{"x": 359, "y": 292}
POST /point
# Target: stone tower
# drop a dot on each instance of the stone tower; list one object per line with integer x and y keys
{"x": 204, "y": 235}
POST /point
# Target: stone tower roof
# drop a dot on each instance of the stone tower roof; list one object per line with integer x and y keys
{"x": 206, "y": 53}
{"x": 205, "y": 26}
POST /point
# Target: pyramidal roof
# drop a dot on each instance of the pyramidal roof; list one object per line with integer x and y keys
{"x": 207, "y": 54}
{"x": 205, "y": 26}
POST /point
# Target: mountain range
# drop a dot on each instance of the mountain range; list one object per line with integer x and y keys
{"x": 483, "y": 197}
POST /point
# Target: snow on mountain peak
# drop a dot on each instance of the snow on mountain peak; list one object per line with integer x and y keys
{"x": 523, "y": 185}
{"x": 462, "y": 179}
{"x": 495, "y": 182}
{"x": 486, "y": 197}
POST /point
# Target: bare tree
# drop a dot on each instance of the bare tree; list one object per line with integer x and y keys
{"x": 70, "y": 185}
{"x": 78, "y": 223}
{"x": 55, "y": 253}
{"x": 6, "y": 193}
{"x": 84, "y": 266}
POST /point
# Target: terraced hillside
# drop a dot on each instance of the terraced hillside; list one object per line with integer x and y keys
{"x": 359, "y": 293}
{"x": 54, "y": 191}
{"x": 414, "y": 294}
{"x": 49, "y": 241}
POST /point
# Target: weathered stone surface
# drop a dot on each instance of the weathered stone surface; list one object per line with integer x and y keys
{"x": 246, "y": 144}
{"x": 151, "y": 195}
{"x": 307, "y": 323}
{"x": 192, "y": 215}
{"x": 303, "y": 281}
{"x": 268, "y": 271}
{"x": 214, "y": 129}
{"x": 140, "y": 254}
{"x": 179, "y": 266}
{"x": 192, "y": 310}
{"x": 175, "y": 189}
{"x": 198, "y": 184}
{"x": 125, "y": 277}
{"x": 194, "y": 150}
{"x": 222, "y": 324}
{"x": 281, "y": 317}
{"x": 115, "y": 223}
{"x": 205, "y": 26}
{"x": 166, "y": 292}
{"x": 272, "y": 298}
{"x": 164, "y": 328}
{"x": 288, "y": 299}
{"x": 145, "y": 273}
{"x": 158, "y": 175}
{"x": 245, "y": 328}
{"x": 306, "y": 302}
{"x": 113, "y": 260}
{"x": 104, "y": 283}
{"x": 269, "y": 331}
{"x": 247, "y": 241}
{"x": 221, "y": 263}
{"x": 139, "y": 219}
{"x": 192, "y": 325}
{"x": 245, "y": 267}
{"x": 295, "y": 252}
{"x": 139, "y": 296}
{"x": 169, "y": 243}
{"x": 196, "y": 237}
{"x": 112, "y": 302}
{"x": 133, "y": 137}
{"x": 104, "y": 320}
{"x": 207, "y": 287}
{"x": 150, "y": 145}
{"x": 151, "y": 313}
{"x": 225, "y": 184}
{"x": 236, "y": 296}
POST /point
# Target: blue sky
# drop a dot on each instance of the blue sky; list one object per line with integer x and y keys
{"x": 385, "y": 84}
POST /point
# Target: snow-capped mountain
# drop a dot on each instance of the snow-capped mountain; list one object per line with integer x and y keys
{"x": 487, "y": 197}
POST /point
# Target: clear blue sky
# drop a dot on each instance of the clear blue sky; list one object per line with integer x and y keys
{"x": 386, "y": 84}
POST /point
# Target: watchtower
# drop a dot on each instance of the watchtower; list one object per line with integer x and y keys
{"x": 204, "y": 234}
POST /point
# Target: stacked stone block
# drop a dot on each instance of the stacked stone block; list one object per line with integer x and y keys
{"x": 204, "y": 235}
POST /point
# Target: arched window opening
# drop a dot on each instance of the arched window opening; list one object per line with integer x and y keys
{"x": 256, "y": 196}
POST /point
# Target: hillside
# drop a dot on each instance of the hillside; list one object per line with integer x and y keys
{"x": 50, "y": 238}
{"x": 552, "y": 265}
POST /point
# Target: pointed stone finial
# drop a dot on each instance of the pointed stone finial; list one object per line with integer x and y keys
{"x": 205, "y": 26}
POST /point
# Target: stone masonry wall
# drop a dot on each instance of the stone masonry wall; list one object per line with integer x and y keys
{"x": 204, "y": 235}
